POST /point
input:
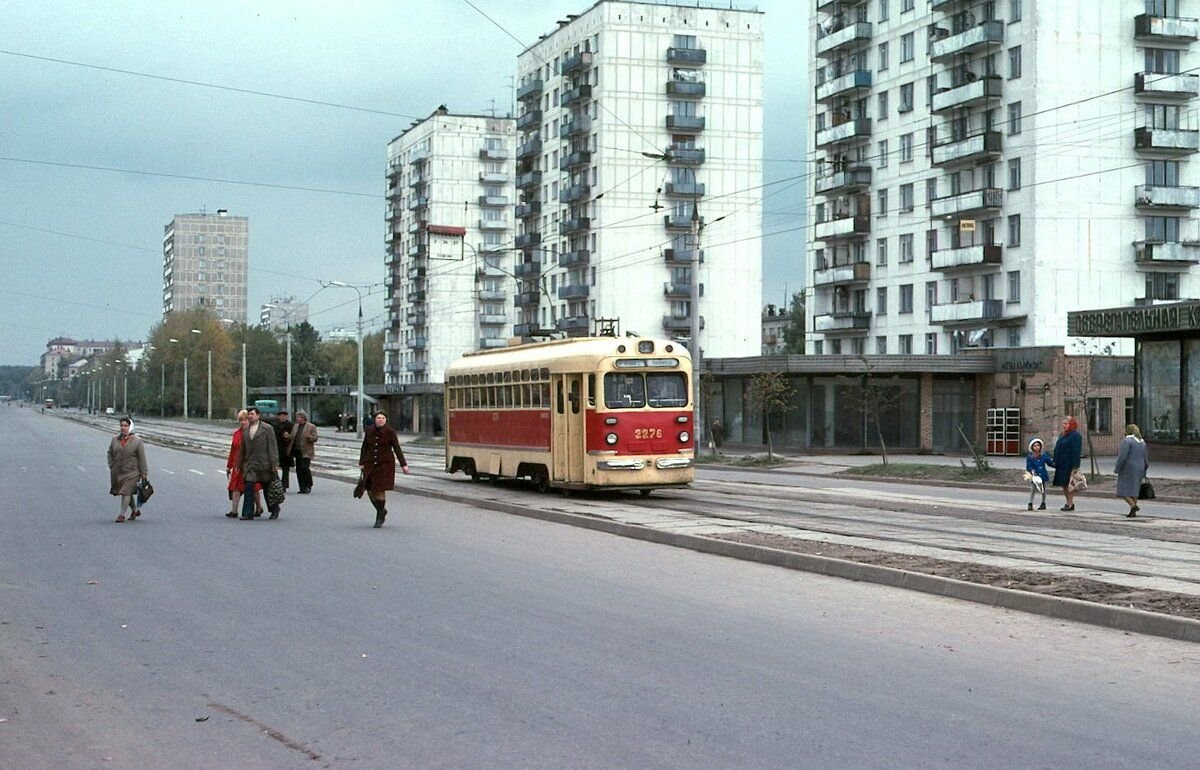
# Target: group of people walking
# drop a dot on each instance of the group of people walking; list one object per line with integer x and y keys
{"x": 1133, "y": 462}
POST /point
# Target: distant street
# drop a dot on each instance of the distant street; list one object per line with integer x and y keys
{"x": 462, "y": 637}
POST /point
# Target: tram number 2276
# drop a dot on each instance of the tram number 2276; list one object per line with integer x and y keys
{"x": 643, "y": 433}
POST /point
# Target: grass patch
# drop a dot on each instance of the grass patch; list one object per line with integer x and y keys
{"x": 428, "y": 441}
{"x": 741, "y": 461}
{"x": 938, "y": 472}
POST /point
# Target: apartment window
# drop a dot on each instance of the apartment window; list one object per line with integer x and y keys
{"x": 882, "y": 111}
{"x": 931, "y": 243}
{"x": 881, "y": 300}
{"x": 1162, "y": 286}
{"x": 881, "y": 345}
{"x": 1165, "y": 116}
{"x": 1014, "y": 285}
{"x": 906, "y": 298}
{"x": 930, "y": 191}
{"x": 1099, "y": 415}
{"x": 1014, "y": 174}
{"x": 905, "y": 341}
{"x": 989, "y": 286}
{"x": 906, "y": 248}
{"x": 1014, "y": 10}
{"x": 907, "y": 5}
{"x": 881, "y": 58}
{"x": 906, "y": 197}
{"x": 906, "y": 148}
{"x": 883, "y": 9}
{"x": 836, "y": 346}
{"x": 1162, "y": 7}
{"x": 906, "y": 47}
{"x": 881, "y": 201}
{"x": 930, "y": 343}
{"x": 1014, "y": 62}
{"x": 1014, "y": 337}
{"x": 906, "y": 97}
{"x": 1014, "y": 230}
{"x": 881, "y": 252}
{"x": 1162, "y": 60}
{"x": 818, "y": 347}
{"x": 883, "y": 153}
{"x": 931, "y": 294}
{"x": 1162, "y": 229}
{"x": 1162, "y": 173}
{"x": 1014, "y": 118}
{"x": 858, "y": 346}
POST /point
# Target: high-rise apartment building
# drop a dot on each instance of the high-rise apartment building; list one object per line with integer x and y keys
{"x": 205, "y": 259}
{"x": 449, "y": 227}
{"x": 282, "y": 312}
{"x": 982, "y": 168}
{"x": 605, "y": 232}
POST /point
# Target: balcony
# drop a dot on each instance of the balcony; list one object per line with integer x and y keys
{"x": 988, "y": 34}
{"x": 493, "y": 319}
{"x": 687, "y": 56}
{"x": 574, "y": 193}
{"x": 415, "y": 319}
{"x": 417, "y": 297}
{"x": 419, "y": 155}
{"x": 576, "y": 258}
{"x": 491, "y": 295}
{"x": 417, "y": 343}
{"x": 1166, "y": 29}
{"x": 843, "y": 38}
{"x": 577, "y": 158}
{"x": 488, "y": 270}
{"x": 966, "y": 256}
{"x": 576, "y": 225}
{"x": 944, "y": 5}
{"x": 529, "y": 119}
{"x": 852, "y": 179}
{"x": 681, "y": 257}
{"x": 487, "y": 343}
{"x": 845, "y": 227}
{"x": 493, "y": 224}
{"x": 846, "y": 85}
{"x": 415, "y": 227}
{"x": 493, "y": 153}
{"x": 526, "y": 330}
{"x": 530, "y": 149}
{"x": 573, "y": 323}
{"x": 576, "y": 95}
{"x": 416, "y": 272}
{"x": 685, "y": 156}
{"x": 684, "y": 189}
{"x": 1152, "y": 301}
{"x": 416, "y": 366}
{"x": 967, "y": 203}
{"x": 1166, "y": 85}
{"x": 418, "y": 203}
{"x": 1166, "y": 141}
{"x": 679, "y": 221}
{"x": 842, "y": 321}
{"x": 491, "y": 248}
{"x": 529, "y": 179}
{"x": 1174, "y": 252}
{"x": 529, "y": 209}
{"x": 843, "y": 275}
{"x": 679, "y": 323}
{"x": 577, "y": 63}
{"x": 530, "y": 90}
{"x": 416, "y": 250}
{"x": 526, "y": 240}
{"x": 856, "y": 130}
{"x": 573, "y": 291}
{"x": 417, "y": 182}
{"x": 971, "y": 311}
{"x": 971, "y": 149}
{"x": 526, "y": 299}
{"x": 1156, "y": 197}
{"x": 493, "y": 177}
{"x": 685, "y": 89}
{"x": 685, "y": 124}
{"x": 493, "y": 200}
{"x": 968, "y": 94}
{"x": 576, "y": 127}
{"x": 528, "y": 269}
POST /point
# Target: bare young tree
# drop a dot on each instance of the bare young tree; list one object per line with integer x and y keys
{"x": 773, "y": 394}
{"x": 1077, "y": 386}
{"x": 876, "y": 397}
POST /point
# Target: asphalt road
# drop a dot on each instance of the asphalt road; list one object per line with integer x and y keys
{"x": 458, "y": 637}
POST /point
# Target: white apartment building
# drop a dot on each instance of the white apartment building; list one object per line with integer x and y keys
{"x": 282, "y": 312}
{"x": 449, "y": 228}
{"x": 982, "y": 168}
{"x": 205, "y": 263}
{"x": 603, "y": 231}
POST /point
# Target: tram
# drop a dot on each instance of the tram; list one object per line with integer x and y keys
{"x": 574, "y": 414}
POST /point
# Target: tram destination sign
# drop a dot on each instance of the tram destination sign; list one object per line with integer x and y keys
{"x": 1135, "y": 321}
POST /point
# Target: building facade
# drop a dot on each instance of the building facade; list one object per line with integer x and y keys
{"x": 449, "y": 233}
{"x": 973, "y": 183}
{"x": 282, "y": 312}
{"x": 605, "y": 236}
{"x": 205, "y": 264}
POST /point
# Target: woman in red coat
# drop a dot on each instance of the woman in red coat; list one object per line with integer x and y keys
{"x": 377, "y": 460}
{"x": 233, "y": 469}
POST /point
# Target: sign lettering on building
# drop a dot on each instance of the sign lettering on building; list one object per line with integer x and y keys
{"x": 1028, "y": 360}
{"x": 1133, "y": 321}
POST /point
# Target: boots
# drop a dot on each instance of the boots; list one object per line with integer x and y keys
{"x": 380, "y": 512}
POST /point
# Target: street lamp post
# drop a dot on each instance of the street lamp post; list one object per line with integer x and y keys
{"x": 243, "y": 372}
{"x": 287, "y": 316}
{"x": 358, "y": 415}
{"x": 210, "y": 384}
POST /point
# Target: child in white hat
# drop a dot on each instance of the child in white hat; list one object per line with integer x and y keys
{"x": 1036, "y": 474}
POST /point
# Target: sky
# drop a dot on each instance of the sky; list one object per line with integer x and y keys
{"x": 81, "y": 248}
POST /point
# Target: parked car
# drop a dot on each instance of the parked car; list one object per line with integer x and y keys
{"x": 110, "y": 410}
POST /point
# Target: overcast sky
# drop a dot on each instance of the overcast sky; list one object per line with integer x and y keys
{"x": 80, "y": 249}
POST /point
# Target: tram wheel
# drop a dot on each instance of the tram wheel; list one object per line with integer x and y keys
{"x": 541, "y": 480}
{"x": 644, "y": 492}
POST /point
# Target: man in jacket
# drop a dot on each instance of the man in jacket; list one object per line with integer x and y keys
{"x": 283, "y": 440}
{"x": 304, "y": 449}
{"x": 260, "y": 460}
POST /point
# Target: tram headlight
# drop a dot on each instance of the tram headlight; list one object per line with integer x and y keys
{"x": 684, "y": 437}
{"x": 610, "y": 439}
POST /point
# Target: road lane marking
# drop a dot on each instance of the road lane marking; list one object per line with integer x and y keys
{"x": 81, "y": 469}
{"x": 169, "y": 473}
{"x": 193, "y": 470}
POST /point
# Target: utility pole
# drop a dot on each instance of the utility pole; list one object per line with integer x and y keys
{"x": 694, "y": 316}
{"x": 210, "y": 384}
{"x": 243, "y": 405}
{"x": 185, "y": 387}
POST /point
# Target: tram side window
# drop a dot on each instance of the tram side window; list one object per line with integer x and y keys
{"x": 544, "y": 389}
{"x": 666, "y": 389}
{"x": 575, "y": 396}
{"x": 591, "y": 391}
{"x": 624, "y": 391}
{"x": 560, "y": 399}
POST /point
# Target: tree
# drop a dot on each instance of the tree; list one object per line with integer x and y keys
{"x": 1077, "y": 387}
{"x": 305, "y": 363}
{"x": 794, "y": 332}
{"x": 771, "y": 392}
{"x": 878, "y": 398}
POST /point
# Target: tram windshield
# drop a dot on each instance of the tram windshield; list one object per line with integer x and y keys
{"x": 634, "y": 391}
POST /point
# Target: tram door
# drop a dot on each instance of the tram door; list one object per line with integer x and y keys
{"x": 568, "y": 427}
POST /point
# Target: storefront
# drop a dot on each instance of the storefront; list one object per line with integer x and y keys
{"x": 1166, "y": 370}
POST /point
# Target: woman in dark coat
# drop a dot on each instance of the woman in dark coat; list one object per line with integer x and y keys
{"x": 1132, "y": 463}
{"x": 126, "y": 466}
{"x": 1068, "y": 451}
{"x": 377, "y": 460}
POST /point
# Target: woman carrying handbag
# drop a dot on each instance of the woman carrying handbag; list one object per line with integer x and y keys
{"x": 1133, "y": 460}
{"x": 377, "y": 461}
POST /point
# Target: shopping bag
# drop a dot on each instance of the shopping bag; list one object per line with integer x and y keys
{"x": 1078, "y": 481}
{"x": 275, "y": 494}
{"x": 1146, "y": 491}
{"x": 144, "y": 491}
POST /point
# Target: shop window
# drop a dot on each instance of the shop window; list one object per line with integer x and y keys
{"x": 1099, "y": 415}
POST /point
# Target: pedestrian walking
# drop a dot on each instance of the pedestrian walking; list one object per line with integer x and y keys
{"x": 126, "y": 467}
{"x": 304, "y": 449}
{"x": 1133, "y": 461}
{"x": 716, "y": 432}
{"x": 377, "y": 461}
{"x": 1035, "y": 468}
{"x": 233, "y": 470}
{"x": 283, "y": 440}
{"x": 260, "y": 460}
{"x": 1068, "y": 451}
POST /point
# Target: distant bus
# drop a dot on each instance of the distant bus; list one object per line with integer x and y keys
{"x": 267, "y": 407}
{"x": 49, "y": 403}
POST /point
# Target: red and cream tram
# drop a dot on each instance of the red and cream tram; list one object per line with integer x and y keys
{"x": 583, "y": 413}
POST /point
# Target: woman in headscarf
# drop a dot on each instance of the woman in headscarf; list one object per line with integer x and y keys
{"x": 377, "y": 460}
{"x": 1068, "y": 451}
{"x": 1133, "y": 460}
{"x": 126, "y": 466}
{"x": 233, "y": 469}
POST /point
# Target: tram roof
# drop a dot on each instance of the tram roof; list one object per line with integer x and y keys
{"x": 551, "y": 352}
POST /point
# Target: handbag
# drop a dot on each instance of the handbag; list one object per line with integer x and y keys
{"x": 144, "y": 491}
{"x": 1146, "y": 491}
{"x": 274, "y": 493}
{"x": 361, "y": 487}
{"x": 1078, "y": 481}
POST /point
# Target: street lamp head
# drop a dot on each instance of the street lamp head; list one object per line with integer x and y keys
{"x": 197, "y": 331}
{"x": 339, "y": 283}
{"x": 172, "y": 339}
